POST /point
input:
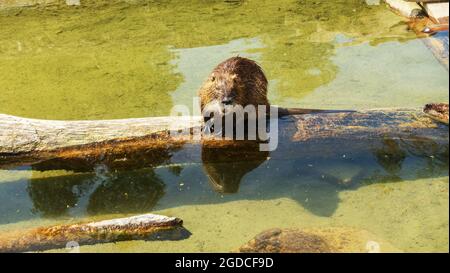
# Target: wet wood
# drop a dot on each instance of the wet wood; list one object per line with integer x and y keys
{"x": 438, "y": 12}
{"x": 149, "y": 142}
{"x": 60, "y": 236}
{"x": 406, "y": 9}
{"x": 21, "y": 135}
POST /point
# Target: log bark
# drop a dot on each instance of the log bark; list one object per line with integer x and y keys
{"x": 79, "y": 145}
{"x": 406, "y": 9}
{"x": 130, "y": 228}
{"x": 438, "y": 12}
{"x": 22, "y": 135}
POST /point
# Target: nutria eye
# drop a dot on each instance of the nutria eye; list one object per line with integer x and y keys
{"x": 213, "y": 78}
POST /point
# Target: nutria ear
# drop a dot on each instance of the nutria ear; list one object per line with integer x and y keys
{"x": 234, "y": 76}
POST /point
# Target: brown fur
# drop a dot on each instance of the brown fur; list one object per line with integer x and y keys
{"x": 236, "y": 77}
{"x": 244, "y": 80}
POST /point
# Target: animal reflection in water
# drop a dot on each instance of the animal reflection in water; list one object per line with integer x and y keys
{"x": 111, "y": 191}
{"x": 226, "y": 167}
{"x": 107, "y": 192}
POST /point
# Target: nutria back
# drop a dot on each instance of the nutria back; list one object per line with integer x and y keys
{"x": 235, "y": 81}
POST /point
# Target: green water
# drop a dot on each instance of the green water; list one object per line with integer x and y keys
{"x": 111, "y": 59}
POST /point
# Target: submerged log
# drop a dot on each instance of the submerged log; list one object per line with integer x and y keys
{"x": 79, "y": 145}
{"x": 130, "y": 228}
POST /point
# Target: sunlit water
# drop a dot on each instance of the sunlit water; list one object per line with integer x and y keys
{"x": 139, "y": 58}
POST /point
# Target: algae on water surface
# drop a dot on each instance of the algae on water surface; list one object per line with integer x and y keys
{"x": 120, "y": 59}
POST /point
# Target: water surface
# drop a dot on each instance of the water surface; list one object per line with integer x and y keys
{"x": 121, "y": 59}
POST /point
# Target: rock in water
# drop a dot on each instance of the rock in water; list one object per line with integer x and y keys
{"x": 437, "y": 111}
{"x": 277, "y": 240}
{"x": 327, "y": 240}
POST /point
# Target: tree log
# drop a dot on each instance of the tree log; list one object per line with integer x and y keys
{"x": 130, "y": 228}
{"x": 407, "y": 9}
{"x": 79, "y": 145}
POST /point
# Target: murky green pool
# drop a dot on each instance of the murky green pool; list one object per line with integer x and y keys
{"x": 120, "y": 59}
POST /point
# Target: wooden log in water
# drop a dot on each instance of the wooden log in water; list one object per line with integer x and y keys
{"x": 438, "y": 12}
{"x": 148, "y": 141}
{"x": 22, "y": 135}
{"x": 406, "y": 9}
{"x": 31, "y": 140}
{"x": 28, "y": 141}
{"x": 130, "y": 228}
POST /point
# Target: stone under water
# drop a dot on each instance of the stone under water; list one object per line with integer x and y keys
{"x": 326, "y": 240}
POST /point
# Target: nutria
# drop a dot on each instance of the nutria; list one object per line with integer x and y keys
{"x": 238, "y": 81}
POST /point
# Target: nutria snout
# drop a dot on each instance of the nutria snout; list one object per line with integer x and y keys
{"x": 235, "y": 81}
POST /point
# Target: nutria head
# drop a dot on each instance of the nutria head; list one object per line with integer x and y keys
{"x": 223, "y": 88}
{"x": 236, "y": 81}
